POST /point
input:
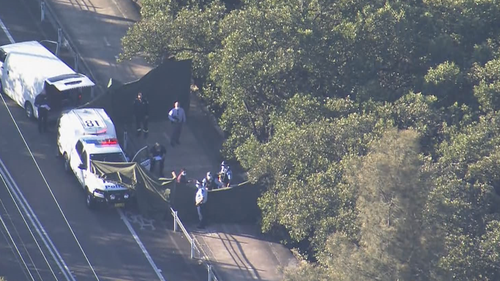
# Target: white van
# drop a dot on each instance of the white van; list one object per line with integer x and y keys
{"x": 27, "y": 68}
{"x": 88, "y": 134}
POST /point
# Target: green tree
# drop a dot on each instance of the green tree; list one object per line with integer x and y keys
{"x": 272, "y": 51}
{"x": 305, "y": 90}
{"x": 186, "y": 32}
{"x": 305, "y": 271}
{"x": 392, "y": 185}
{"x": 463, "y": 204}
{"x": 444, "y": 81}
{"x": 487, "y": 85}
{"x": 303, "y": 168}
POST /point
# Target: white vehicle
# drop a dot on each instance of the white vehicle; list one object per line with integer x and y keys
{"x": 28, "y": 68}
{"x": 89, "y": 134}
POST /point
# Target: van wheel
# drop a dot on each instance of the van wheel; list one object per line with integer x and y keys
{"x": 28, "y": 108}
{"x": 67, "y": 168}
{"x": 90, "y": 202}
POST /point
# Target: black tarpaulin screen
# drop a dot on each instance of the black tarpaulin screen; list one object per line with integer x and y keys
{"x": 152, "y": 195}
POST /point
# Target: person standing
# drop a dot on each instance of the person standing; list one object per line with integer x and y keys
{"x": 201, "y": 199}
{"x": 209, "y": 182}
{"x": 158, "y": 153}
{"x": 141, "y": 111}
{"x": 42, "y": 104}
{"x": 181, "y": 177}
{"x": 178, "y": 117}
{"x": 225, "y": 175}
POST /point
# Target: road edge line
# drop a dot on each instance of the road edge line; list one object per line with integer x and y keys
{"x": 138, "y": 241}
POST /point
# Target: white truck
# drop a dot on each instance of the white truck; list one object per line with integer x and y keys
{"x": 88, "y": 134}
{"x": 28, "y": 68}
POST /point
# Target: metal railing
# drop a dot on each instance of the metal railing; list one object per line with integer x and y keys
{"x": 195, "y": 250}
{"x": 46, "y": 13}
{"x": 63, "y": 40}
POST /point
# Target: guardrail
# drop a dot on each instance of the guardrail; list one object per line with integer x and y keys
{"x": 80, "y": 65}
{"x": 196, "y": 250}
{"x": 46, "y": 13}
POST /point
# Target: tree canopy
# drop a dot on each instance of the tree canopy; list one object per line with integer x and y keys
{"x": 373, "y": 125}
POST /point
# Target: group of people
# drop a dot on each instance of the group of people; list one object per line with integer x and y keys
{"x": 210, "y": 183}
{"x": 176, "y": 115}
{"x": 223, "y": 178}
{"x": 158, "y": 152}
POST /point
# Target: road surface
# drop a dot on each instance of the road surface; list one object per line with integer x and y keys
{"x": 55, "y": 237}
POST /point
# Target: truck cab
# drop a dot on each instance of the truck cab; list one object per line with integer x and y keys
{"x": 86, "y": 135}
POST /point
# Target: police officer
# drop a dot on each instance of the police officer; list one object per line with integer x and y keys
{"x": 141, "y": 111}
{"x": 209, "y": 182}
{"x": 42, "y": 104}
{"x": 158, "y": 153}
{"x": 201, "y": 199}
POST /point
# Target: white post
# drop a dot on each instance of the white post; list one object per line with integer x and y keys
{"x": 192, "y": 248}
{"x": 209, "y": 269}
{"x": 42, "y": 11}
{"x": 59, "y": 40}
{"x": 175, "y": 221}
{"x": 76, "y": 63}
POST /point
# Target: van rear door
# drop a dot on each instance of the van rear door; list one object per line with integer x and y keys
{"x": 66, "y": 91}
{"x": 70, "y": 81}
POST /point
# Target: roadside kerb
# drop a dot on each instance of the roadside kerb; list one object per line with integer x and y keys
{"x": 46, "y": 12}
{"x": 196, "y": 251}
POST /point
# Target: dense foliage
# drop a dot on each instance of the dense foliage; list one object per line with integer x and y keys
{"x": 373, "y": 124}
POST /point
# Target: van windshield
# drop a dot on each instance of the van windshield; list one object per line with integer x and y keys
{"x": 108, "y": 157}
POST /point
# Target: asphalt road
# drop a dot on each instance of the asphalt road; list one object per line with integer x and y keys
{"x": 55, "y": 237}
{"x": 23, "y": 253}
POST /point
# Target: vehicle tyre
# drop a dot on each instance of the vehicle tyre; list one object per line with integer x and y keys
{"x": 67, "y": 168}
{"x": 1, "y": 88}
{"x": 90, "y": 201}
{"x": 28, "y": 109}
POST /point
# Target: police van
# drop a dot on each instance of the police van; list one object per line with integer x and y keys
{"x": 28, "y": 68}
{"x": 88, "y": 134}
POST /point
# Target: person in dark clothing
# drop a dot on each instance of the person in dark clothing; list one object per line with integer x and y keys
{"x": 158, "y": 153}
{"x": 141, "y": 111}
{"x": 42, "y": 105}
